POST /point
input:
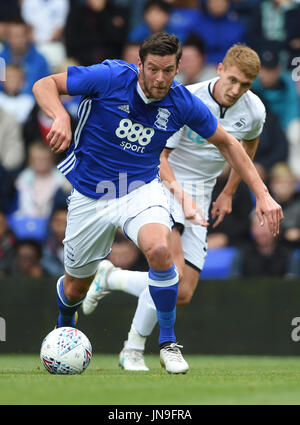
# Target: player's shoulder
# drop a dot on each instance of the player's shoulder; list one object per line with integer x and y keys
{"x": 185, "y": 93}
{"x": 254, "y": 104}
{"x": 201, "y": 87}
{"x": 120, "y": 66}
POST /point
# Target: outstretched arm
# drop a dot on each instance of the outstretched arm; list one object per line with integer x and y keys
{"x": 47, "y": 92}
{"x": 191, "y": 209}
{"x": 223, "y": 203}
{"x": 242, "y": 164}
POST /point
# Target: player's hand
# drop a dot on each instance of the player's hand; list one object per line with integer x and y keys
{"x": 193, "y": 212}
{"x": 221, "y": 207}
{"x": 268, "y": 209}
{"x": 60, "y": 134}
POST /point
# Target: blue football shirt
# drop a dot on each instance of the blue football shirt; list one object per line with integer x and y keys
{"x": 120, "y": 133}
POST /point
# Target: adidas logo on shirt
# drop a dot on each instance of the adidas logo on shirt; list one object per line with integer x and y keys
{"x": 124, "y": 108}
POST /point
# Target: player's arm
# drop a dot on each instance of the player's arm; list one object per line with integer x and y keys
{"x": 191, "y": 210}
{"x": 47, "y": 92}
{"x": 223, "y": 203}
{"x": 242, "y": 164}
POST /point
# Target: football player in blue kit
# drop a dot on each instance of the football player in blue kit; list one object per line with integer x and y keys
{"x": 126, "y": 115}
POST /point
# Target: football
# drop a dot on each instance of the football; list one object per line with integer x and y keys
{"x": 66, "y": 351}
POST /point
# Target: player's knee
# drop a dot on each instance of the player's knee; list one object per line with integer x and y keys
{"x": 159, "y": 255}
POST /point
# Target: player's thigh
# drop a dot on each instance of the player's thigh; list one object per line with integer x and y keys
{"x": 90, "y": 232}
{"x": 194, "y": 245}
{"x": 151, "y": 231}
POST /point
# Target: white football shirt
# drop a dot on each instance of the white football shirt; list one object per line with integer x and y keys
{"x": 197, "y": 163}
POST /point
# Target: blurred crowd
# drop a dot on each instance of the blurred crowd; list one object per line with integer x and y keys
{"x": 40, "y": 37}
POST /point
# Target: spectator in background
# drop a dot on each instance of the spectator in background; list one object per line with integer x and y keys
{"x": 234, "y": 229}
{"x": 267, "y": 26}
{"x": 244, "y": 9}
{"x": 95, "y": 30}
{"x": 283, "y": 187}
{"x": 292, "y": 19}
{"x": 12, "y": 99}
{"x": 279, "y": 91}
{"x": 19, "y": 50}
{"x": 156, "y": 18}
{"x": 53, "y": 252}
{"x": 46, "y": 17}
{"x": 219, "y": 30}
{"x": 184, "y": 18}
{"x": 193, "y": 68}
{"x": 38, "y": 183}
{"x": 131, "y": 52}
{"x": 12, "y": 152}
{"x": 28, "y": 259}
{"x": 8, "y": 11}
{"x": 264, "y": 255}
{"x": 273, "y": 145}
{"x": 7, "y": 246}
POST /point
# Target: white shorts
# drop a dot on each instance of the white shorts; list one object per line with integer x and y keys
{"x": 92, "y": 224}
{"x": 193, "y": 238}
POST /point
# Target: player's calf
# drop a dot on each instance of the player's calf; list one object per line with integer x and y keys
{"x": 69, "y": 298}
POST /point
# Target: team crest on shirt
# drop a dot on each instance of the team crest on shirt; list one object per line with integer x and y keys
{"x": 162, "y": 118}
{"x": 240, "y": 123}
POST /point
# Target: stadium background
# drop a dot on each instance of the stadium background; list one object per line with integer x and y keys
{"x": 249, "y": 290}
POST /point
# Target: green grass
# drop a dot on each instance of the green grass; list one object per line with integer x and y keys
{"x": 211, "y": 380}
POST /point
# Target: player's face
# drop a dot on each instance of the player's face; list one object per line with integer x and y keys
{"x": 233, "y": 83}
{"x": 157, "y": 74}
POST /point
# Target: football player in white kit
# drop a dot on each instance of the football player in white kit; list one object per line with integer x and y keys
{"x": 190, "y": 172}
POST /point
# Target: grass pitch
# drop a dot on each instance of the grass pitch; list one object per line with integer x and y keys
{"x": 223, "y": 380}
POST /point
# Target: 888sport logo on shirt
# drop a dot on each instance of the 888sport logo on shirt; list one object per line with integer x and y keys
{"x": 135, "y": 136}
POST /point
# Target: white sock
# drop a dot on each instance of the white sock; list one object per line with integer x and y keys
{"x": 135, "y": 341}
{"x": 127, "y": 281}
{"x": 145, "y": 317}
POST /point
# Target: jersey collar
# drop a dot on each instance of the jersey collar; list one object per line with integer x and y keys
{"x": 223, "y": 109}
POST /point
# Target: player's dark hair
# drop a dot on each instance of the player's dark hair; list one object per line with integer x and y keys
{"x": 36, "y": 245}
{"x": 161, "y": 44}
{"x": 161, "y": 4}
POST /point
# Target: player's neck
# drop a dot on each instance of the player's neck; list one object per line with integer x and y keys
{"x": 216, "y": 94}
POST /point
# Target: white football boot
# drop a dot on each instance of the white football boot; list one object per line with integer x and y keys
{"x": 130, "y": 359}
{"x": 171, "y": 359}
{"x": 98, "y": 288}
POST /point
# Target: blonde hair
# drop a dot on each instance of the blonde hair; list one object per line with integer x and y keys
{"x": 244, "y": 58}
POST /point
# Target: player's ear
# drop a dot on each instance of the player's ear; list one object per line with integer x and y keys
{"x": 220, "y": 68}
{"x": 178, "y": 66}
{"x": 139, "y": 64}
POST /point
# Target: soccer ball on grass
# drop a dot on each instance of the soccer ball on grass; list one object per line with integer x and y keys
{"x": 66, "y": 351}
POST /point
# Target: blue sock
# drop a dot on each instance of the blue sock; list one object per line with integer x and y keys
{"x": 164, "y": 298}
{"x": 66, "y": 309}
